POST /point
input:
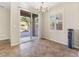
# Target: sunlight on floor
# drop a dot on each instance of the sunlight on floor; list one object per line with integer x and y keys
{"x": 24, "y": 39}
{"x": 27, "y": 39}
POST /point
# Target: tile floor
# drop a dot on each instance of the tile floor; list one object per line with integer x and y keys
{"x": 40, "y": 48}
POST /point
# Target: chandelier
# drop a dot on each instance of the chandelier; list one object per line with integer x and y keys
{"x": 42, "y": 7}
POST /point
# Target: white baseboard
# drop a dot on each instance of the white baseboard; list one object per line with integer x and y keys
{"x": 15, "y": 44}
{"x": 4, "y": 37}
{"x": 59, "y": 42}
{"x": 76, "y": 47}
{"x": 56, "y": 41}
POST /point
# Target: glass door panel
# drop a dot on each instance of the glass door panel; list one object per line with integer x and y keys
{"x": 25, "y": 20}
{"x": 34, "y": 26}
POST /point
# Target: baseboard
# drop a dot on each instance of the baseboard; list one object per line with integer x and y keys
{"x": 5, "y": 40}
{"x": 44, "y": 38}
{"x": 60, "y": 42}
{"x": 55, "y": 41}
{"x": 15, "y": 44}
{"x": 76, "y": 47}
{"x": 4, "y": 37}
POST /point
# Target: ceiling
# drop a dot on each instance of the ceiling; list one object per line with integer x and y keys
{"x": 29, "y": 4}
{"x": 37, "y": 4}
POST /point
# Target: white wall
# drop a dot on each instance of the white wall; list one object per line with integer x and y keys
{"x": 4, "y": 24}
{"x": 40, "y": 25}
{"x": 70, "y": 12}
{"x": 14, "y": 24}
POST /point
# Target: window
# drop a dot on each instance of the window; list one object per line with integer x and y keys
{"x": 56, "y": 22}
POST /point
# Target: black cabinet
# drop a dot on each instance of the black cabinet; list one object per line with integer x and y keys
{"x": 70, "y": 38}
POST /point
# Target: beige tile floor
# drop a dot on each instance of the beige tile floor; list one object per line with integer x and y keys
{"x": 41, "y": 48}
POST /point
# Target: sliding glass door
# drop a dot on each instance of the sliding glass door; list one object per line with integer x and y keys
{"x": 25, "y": 20}
{"x": 28, "y": 26}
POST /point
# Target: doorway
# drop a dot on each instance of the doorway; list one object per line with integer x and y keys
{"x": 25, "y": 19}
{"x": 28, "y": 26}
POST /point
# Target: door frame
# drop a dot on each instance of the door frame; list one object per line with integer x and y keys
{"x": 15, "y": 20}
{"x": 32, "y": 12}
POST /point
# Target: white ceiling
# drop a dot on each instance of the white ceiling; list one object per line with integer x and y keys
{"x": 37, "y": 4}
{"x": 29, "y": 4}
